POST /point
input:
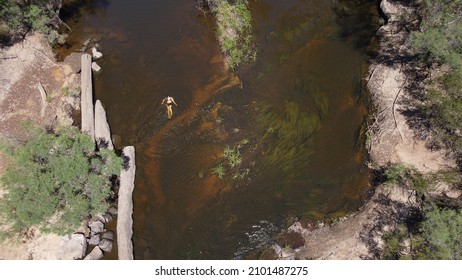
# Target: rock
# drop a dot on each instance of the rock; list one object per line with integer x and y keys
{"x": 94, "y": 240}
{"x": 83, "y": 229}
{"x": 287, "y": 254}
{"x": 277, "y": 249}
{"x": 96, "y": 226}
{"x": 292, "y": 239}
{"x": 98, "y": 217}
{"x": 389, "y": 10}
{"x": 95, "y": 254}
{"x": 105, "y": 245}
{"x": 86, "y": 99}
{"x": 74, "y": 247}
{"x": 109, "y": 235}
{"x": 96, "y": 54}
{"x": 108, "y": 217}
{"x": 74, "y": 62}
{"x": 102, "y": 131}
{"x": 54, "y": 247}
{"x": 125, "y": 204}
{"x": 112, "y": 210}
{"x": 95, "y": 67}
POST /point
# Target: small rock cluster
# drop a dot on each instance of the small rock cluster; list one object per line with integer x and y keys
{"x": 97, "y": 236}
{"x": 95, "y": 55}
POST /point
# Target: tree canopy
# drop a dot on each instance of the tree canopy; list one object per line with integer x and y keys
{"x": 55, "y": 180}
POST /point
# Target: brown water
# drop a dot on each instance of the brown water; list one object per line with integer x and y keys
{"x": 294, "y": 116}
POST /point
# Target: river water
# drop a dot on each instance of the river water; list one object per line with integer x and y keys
{"x": 285, "y": 131}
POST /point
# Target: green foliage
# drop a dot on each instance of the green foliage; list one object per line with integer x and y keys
{"x": 38, "y": 15}
{"x": 55, "y": 180}
{"x": 289, "y": 127}
{"x": 400, "y": 244}
{"x": 404, "y": 175}
{"x": 442, "y": 229}
{"x": 394, "y": 243}
{"x": 234, "y": 29}
{"x": 219, "y": 171}
{"x": 440, "y": 41}
{"x": 233, "y": 159}
{"x": 233, "y": 156}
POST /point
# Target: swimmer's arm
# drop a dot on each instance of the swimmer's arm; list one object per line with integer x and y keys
{"x": 174, "y": 102}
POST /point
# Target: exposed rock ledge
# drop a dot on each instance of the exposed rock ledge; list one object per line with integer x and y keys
{"x": 359, "y": 236}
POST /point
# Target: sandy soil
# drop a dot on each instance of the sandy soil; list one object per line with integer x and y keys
{"x": 22, "y": 67}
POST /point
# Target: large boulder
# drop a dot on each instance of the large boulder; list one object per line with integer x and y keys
{"x": 94, "y": 240}
{"x": 75, "y": 247}
{"x": 102, "y": 131}
{"x": 109, "y": 235}
{"x": 106, "y": 245}
{"x": 96, "y": 226}
{"x": 95, "y": 254}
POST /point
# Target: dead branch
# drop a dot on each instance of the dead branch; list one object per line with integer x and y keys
{"x": 370, "y": 76}
{"x": 9, "y": 57}
{"x": 393, "y": 108}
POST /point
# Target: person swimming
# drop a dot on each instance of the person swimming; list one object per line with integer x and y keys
{"x": 169, "y": 101}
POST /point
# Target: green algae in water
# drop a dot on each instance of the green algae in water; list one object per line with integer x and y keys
{"x": 289, "y": 128}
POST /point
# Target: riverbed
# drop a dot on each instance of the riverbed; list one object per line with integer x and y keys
{"x": 283, "y": 133}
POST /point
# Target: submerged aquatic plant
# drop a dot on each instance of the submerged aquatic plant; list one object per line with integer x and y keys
{"x": 219, "y": 171}
{"x": 289, "y": 128}
{"x": 233, "y": 156}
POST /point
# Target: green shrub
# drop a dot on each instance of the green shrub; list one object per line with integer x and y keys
{"x": 404, "y": 175}
{"x": 55, "y": 180}
{"x": 442, "y": 229}
{"x": 394, "y": 243}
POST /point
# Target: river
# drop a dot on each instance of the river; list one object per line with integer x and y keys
{"x": 283, "y": 133}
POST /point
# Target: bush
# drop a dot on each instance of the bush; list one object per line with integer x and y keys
{"x": 442, "y": 229}
{"x": 408, "y": 176}
{"x": 55, "y": 180}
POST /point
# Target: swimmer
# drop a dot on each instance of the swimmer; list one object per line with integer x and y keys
{"x": 168, "y": 102}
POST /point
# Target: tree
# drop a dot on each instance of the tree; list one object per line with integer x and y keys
{"x": 17, "y": 18}
{"x": 55, "y": 180}
{"x": 439, "y": 41}
{"x": 442, "y": 229}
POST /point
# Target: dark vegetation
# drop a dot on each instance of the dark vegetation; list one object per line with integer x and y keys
{"x": 55, "y": 180}
{"x": 18, "y": 18}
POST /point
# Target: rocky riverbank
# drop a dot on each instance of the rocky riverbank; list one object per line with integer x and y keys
{"x": 38, "y": 90}
{"x": 391, "y": 140}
